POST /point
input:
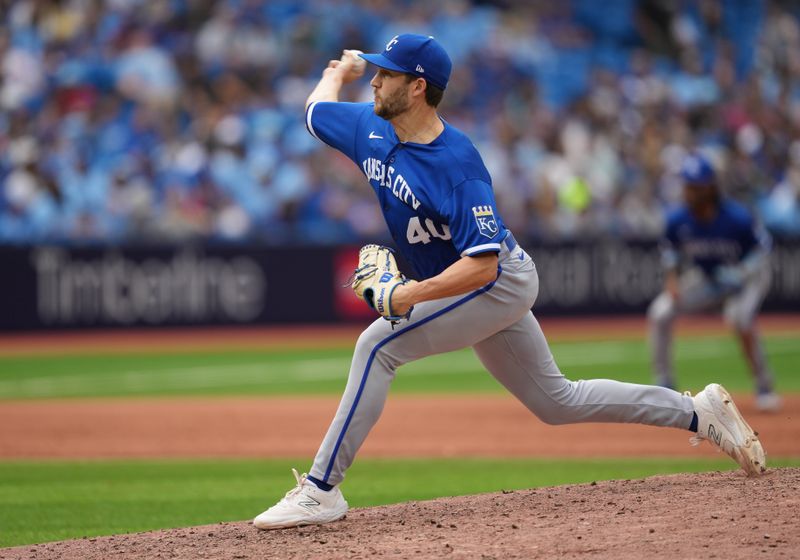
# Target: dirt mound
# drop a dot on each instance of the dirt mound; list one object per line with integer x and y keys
{"x": 710, "y": 515}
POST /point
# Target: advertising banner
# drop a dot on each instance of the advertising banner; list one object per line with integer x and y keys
{"x": 65, "y": 288}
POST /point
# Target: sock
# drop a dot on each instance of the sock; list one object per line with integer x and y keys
{"x": 693, "y": 425}
{"x": 327, "y": 487}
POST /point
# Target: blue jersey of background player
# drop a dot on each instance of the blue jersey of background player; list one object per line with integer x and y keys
{"x": 713, "y": 233}
{"x": 715, "y": 256}
{"x": 436, "y": 197}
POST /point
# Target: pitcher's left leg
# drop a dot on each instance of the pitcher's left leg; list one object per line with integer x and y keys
{"x": 434, "y": 327}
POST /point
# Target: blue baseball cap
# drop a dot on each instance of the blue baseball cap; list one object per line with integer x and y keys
{"x": 696, "y": 170}
{"x": 419, "y": 55}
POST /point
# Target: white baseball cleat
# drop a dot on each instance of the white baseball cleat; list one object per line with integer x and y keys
{"x": 305, "y": 504}
{"x": 721, "y": 423}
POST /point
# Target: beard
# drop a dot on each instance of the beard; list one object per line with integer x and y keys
{"x": 393, "y": 105}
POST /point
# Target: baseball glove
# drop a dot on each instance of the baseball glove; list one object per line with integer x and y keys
{"x": 376, "y": 278}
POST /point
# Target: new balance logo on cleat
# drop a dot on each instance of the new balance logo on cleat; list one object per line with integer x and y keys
{"x": 308, "y": 503}
{"x": 714, "y": 434}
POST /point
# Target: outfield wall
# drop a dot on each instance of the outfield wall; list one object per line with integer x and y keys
{"x": 52, "y": 287}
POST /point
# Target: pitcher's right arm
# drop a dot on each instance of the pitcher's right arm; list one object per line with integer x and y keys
{"x": 339, "y": 72}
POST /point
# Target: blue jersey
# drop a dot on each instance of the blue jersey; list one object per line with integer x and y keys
{"x": 728, "y": 239}
{"x": 436, "y": 198}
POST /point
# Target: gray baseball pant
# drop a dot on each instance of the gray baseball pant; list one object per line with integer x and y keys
{"x": 497, "y": 322}
{"x": 697, "y": 294}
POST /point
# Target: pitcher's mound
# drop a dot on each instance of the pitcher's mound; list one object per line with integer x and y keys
{"x": 710, "y": 515}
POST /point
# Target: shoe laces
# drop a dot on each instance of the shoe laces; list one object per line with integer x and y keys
{"x": 301, "y": 480}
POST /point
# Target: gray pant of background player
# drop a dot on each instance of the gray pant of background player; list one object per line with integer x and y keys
{"x": 497, "y": 322}
{"x": 696, "y": 294}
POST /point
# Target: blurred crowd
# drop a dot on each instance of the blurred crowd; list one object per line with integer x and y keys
{"x": 172, "y": 120}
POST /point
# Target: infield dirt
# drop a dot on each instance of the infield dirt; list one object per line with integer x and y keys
{"x": 410, "y": 426}
{"x": 710, "y": 515}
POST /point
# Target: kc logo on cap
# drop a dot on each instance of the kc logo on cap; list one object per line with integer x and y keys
{"x": 420, "y": 55}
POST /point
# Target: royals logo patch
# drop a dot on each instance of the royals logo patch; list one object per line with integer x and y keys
{"x": 484, "y": 217}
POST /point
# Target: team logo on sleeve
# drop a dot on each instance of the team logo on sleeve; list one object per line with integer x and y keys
{"x": 484, "y": 217}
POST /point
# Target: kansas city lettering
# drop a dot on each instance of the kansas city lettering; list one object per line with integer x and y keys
{"x": 386, "y": 177}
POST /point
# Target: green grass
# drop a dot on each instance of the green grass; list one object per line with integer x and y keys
{"x": 699, "y": 361}
{"x": 46, "y": 501}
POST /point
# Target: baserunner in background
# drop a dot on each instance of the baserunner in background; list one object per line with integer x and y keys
{"x": 715, "y": 257}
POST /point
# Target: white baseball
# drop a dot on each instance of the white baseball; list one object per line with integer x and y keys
{"x": 359, "y": 64}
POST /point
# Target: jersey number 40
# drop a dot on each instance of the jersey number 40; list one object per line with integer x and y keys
{"x": 419, "y": 233}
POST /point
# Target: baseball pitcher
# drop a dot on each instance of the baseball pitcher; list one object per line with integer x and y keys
{"x": 476, "y": 288}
